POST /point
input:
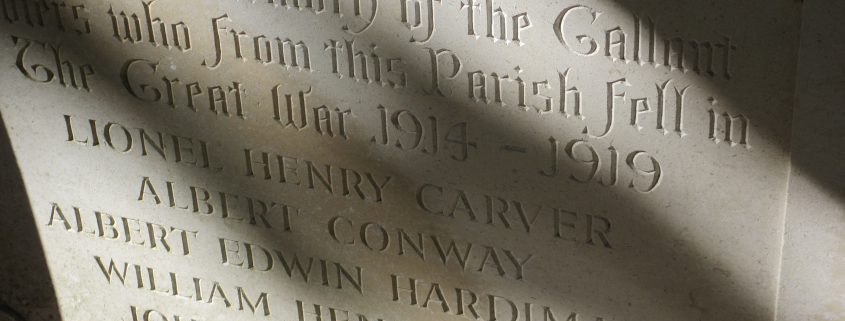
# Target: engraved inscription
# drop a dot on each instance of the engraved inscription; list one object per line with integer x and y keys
{"x": 336, "y": 160}
{"x": 50, "y": 64}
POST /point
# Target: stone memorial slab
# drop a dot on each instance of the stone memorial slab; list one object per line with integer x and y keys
{"x": 405, "y": 159}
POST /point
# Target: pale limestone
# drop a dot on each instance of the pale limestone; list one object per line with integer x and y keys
{"x": 701, "y": 242}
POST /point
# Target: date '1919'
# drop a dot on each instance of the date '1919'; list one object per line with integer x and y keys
{"x": 645, "y": 170}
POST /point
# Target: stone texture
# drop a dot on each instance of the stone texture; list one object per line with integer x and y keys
{"x": 812, "y": 279}
{"x": 674, "y": 210}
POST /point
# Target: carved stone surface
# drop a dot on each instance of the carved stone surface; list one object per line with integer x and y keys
{"x": 813, "y": 276}
{"x": 403, "y": 159}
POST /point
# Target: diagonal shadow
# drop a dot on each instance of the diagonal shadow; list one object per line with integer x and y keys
{"x": 679, "y": 257}
{"x": 27, "y": 289}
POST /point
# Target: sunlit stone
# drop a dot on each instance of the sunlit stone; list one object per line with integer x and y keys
{"x": 401, "y": 160}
